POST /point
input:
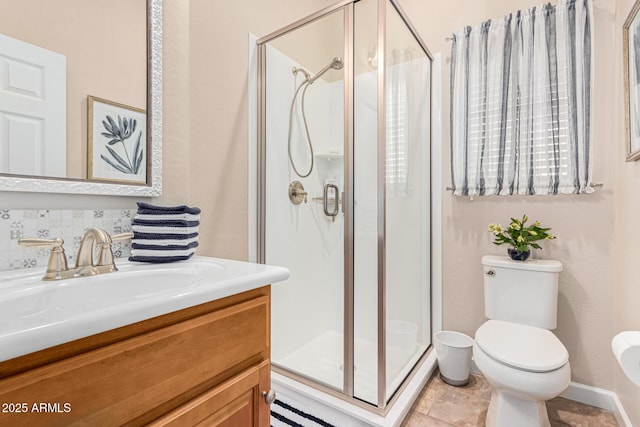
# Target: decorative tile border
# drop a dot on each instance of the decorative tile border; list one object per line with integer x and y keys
{"x": 70, "y": 225}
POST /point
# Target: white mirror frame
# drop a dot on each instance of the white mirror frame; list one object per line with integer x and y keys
{"x": 154, "y": 95}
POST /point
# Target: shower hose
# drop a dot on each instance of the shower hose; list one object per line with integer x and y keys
{"x": 306, "y": 84}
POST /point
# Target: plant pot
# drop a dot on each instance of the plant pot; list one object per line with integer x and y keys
{"x": 517, "y": 255}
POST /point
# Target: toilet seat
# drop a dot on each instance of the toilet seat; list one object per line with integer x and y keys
{"x": 522, "y": 347}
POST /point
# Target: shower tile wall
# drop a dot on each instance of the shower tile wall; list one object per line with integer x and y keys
{"x": 70, "y": 225}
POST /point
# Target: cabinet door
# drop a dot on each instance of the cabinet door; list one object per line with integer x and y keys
{"x": 237, "y": 402}
{"x": 135, "y": 381}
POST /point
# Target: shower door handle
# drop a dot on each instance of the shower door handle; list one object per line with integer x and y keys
{"x": 325, "y": 201}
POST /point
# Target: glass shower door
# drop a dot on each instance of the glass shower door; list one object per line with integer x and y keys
{"x": 304, "y": 174}
{"x": 392, "y": 320}
{"x": 366, "y": 352}
{"x": 407, "y": 201}
{"x": 345, "y": 110}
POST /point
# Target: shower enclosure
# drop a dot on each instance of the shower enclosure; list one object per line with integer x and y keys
{"x": 344, "y": 197}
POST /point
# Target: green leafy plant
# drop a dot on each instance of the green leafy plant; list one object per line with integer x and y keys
{"x": 519, "y": 236}
{"x": 119, "y": 133}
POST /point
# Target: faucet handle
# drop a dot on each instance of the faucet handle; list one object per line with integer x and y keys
{"x": 105, "y": 254}
{"x": 57, "y": 260}
{"x": 31, "y": 241}
{"x": 122, "y": 236}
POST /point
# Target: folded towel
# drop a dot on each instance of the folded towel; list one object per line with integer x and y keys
{"x": 164, "y": 234}
{"x": 162, "y": 253}
{"x": 163, "y": 229}
{"x": 166, "y": 237}
{"x": 163, "y": 242}
{"x": 166, "y": 223}
{"x": 150, "y": 244}
{"x": 148, "y": 209}
{"x": 160, "y": 260}
{"x": 172, "y": 216}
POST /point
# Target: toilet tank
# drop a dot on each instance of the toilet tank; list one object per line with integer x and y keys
{"x": 521, "y": 291}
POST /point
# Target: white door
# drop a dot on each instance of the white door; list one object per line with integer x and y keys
{"x": 33, "y": 109}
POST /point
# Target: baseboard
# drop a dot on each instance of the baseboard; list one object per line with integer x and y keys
{"x": 600, "y": 398}
{"x": 594, "y": 396}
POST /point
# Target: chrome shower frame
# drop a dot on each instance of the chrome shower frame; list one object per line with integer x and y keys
{"x": 347, "y": 392}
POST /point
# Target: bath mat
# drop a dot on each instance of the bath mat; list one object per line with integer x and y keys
{"x": 284, "y": 414}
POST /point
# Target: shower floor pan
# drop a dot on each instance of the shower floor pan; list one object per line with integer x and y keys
{"x": 321, "y": 359}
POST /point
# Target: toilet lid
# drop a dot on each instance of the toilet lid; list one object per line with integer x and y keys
{"x": 521, "y": 346}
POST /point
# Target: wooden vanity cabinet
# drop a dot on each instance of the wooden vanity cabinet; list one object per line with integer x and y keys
{"x": 205, "y": 365}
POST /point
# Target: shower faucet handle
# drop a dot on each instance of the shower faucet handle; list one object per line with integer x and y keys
{"x": 297, "y": 193}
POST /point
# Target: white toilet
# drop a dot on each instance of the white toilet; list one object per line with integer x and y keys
{"x": 515, "y": 349}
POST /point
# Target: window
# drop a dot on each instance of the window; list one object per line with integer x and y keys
{"x": 520, "y": 103}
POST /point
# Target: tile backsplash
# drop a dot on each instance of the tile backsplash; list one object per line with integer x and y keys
{"x": 70, "y": 225}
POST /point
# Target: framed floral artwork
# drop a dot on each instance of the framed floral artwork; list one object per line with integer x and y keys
{"x": 117, "y": 142}
{"x": 631, "y": 46}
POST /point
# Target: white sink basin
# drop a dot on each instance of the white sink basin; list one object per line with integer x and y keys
{"x": 35, "y": 314}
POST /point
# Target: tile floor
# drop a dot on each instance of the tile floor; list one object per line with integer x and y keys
{"x": 442, "y": 405}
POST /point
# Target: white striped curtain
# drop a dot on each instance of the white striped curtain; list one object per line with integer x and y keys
{"x": 520, "y": 102}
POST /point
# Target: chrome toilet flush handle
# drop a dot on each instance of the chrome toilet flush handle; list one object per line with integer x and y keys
{"x": 490, "y": 273}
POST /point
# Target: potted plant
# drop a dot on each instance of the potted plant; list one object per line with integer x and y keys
{"x": 520, "y": 237}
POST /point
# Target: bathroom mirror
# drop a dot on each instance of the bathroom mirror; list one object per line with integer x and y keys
{"x": 134, "y": 80}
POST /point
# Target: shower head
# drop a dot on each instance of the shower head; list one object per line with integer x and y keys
{"x": 336, "y": 63}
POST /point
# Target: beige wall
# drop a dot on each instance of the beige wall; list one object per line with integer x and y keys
{"x": 205, "y": 109}
{"x": 584, "y": 224}
{"x": 207, "y": 133}
{"x": 626, "y": 286}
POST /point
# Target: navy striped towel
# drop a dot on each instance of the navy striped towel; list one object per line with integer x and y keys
{"x": 164, "y": 233}
{"x": 159, "y": 260}
{"x": 164, "y": 239}
{"x": 162, "y": 245}
{"x": 148, "y": 209}
{"x": 150, "y": 229}
{"x": 172, "y": 216}
{"x": 165, "y": 222}
{"x": 170, "y": 238}
{"x": 163, "y": 253}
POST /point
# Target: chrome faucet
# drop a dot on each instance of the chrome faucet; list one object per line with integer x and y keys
{"x": 100, "y": 240}
{"x": 94, "y": 238}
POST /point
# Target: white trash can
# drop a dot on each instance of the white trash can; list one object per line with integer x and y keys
{"x": 454, "y": 356}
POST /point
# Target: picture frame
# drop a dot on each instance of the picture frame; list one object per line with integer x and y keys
{"x": 631, "y": 55}
{"x": 117, "y": 145}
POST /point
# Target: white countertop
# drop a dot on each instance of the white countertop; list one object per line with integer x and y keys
{"x": 35, "y": 314}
